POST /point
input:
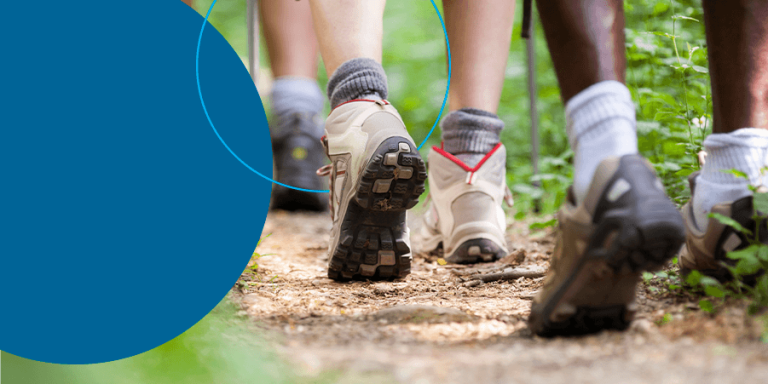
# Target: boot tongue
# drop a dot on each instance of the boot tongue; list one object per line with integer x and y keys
{"x": 470, "y": 159}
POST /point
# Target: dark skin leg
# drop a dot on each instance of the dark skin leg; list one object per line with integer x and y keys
{"x": 586, "y": 41}
{"x": 737, "y": 38}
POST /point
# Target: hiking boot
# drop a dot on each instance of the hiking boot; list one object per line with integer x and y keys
{"x": 297, "y": 155}
{"x": 626, "y": 225}
{"x": 376, "y": 174}
{"x": 705, "y": 251}
{"x": 465, "y": 215}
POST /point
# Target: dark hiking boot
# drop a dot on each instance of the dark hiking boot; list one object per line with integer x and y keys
{"x": 625, "y": 226}
{"x": 706, "y": 251}
{"x": 297, "y": 156}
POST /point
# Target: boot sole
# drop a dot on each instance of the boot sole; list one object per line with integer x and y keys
{"x": 619, "y": 250}
{"x": 372, "y": 241}
{"x": 476, "y": 251}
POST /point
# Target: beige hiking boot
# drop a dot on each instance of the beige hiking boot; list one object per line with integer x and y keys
{"x": 625, "y": 225}
{"x": 465, "y": 216}
{"x": 705, "y": 251}
{"x": 376, "y": 174}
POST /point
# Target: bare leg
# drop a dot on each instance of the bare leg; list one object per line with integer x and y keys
{"x": 348, "y": 29}
{"x": 376, "y": 173}
{"x": 586, "y": 41}
{"x": 737, "y": 39}
{"x": 471, "y": 221}
{"x": 290, "y": 38}
{"x": 479, "y": 32}
{"x": 612, "y": 183}
{"x": 296, "y": 101}
{"x": 737, "y": 36}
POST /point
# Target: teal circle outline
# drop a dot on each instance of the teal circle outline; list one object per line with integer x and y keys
{"x": 200, "y": 93}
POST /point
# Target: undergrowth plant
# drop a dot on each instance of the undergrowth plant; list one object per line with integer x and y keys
{"x": 748, "y": 267}
{"x": 253, "y": 264}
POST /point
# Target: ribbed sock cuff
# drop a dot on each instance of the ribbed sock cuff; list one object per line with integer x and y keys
{"x": 470, "y": 130}
{"x": 296, "y": 94}
{"x": 744, "y": 149}
{"x": 588, "y": 112}
{"x": 600, "y": 123}
{"x": 357, "y": 79}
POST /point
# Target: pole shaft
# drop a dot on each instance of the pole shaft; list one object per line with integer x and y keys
{"x": 252, "y": 18}
{"x": 532, "y": 94}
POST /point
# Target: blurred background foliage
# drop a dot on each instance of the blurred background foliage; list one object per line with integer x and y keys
{"x": 667, "y": 75}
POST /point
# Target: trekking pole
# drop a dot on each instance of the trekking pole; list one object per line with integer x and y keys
{"x": 252, "y": 18}
{"x": 528, "y": 34}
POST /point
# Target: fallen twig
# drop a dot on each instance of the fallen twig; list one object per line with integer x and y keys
{"x": 472, "y": 283}
{"x": 469, "y": 272}
{"x": 508, "y": 274}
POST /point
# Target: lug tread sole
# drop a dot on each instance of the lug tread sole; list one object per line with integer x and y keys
{"x": 476, "y": 251}
{"x": 646, "y": 246}
{"x": 372, "y": 241}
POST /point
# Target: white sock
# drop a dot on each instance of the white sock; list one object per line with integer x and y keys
{"x": 600, "y": 123}
{"x": 744, "y": 149}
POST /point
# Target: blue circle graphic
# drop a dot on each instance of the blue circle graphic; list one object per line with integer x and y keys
{"x": 197, "y": 73}
{"x": 123, "y": 220}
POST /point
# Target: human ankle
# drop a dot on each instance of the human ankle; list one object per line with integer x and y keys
{"x": 745, "y": 150}
{"x": 600, "y": 124}
{"x": 359, "y": 78}
{"x": 470, "y": 133}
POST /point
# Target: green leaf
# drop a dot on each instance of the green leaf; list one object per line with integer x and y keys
{"x": 746, "y": 253}
{"x": 676, "y": 17}
{"x": 543, "y": 224}
{"x": 714, "y": 291}
{"x": 660, "y": 8}
{"x": 707, "y": 281}
{"x": 736, "y": 173}
{"x": 730, "y": 222}
{"x": 760, "y": 201}
{"x": 684, "y": 172}
{"x": 700, "y": 69}
{"x": 520, "y": 216}
{"x": 706, "y": 306}
{"x": 259, "y": 242}
{"x": 748, "y": 266}
{"x": 662, "y": 274}
{"x": 693, "y": 278}
{"x": 647, "y": 276}
{"x": 762, "y": 253}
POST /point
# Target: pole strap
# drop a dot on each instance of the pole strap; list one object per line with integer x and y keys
{"x": 527, "y": 15}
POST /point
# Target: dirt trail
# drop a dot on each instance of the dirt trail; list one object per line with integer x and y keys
{"x": 391, "y": 332}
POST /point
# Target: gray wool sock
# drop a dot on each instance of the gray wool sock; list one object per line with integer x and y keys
{"x": 296, "y": 97}
{"x": 470, "y": 134}
{"x": 359, "y": 78}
